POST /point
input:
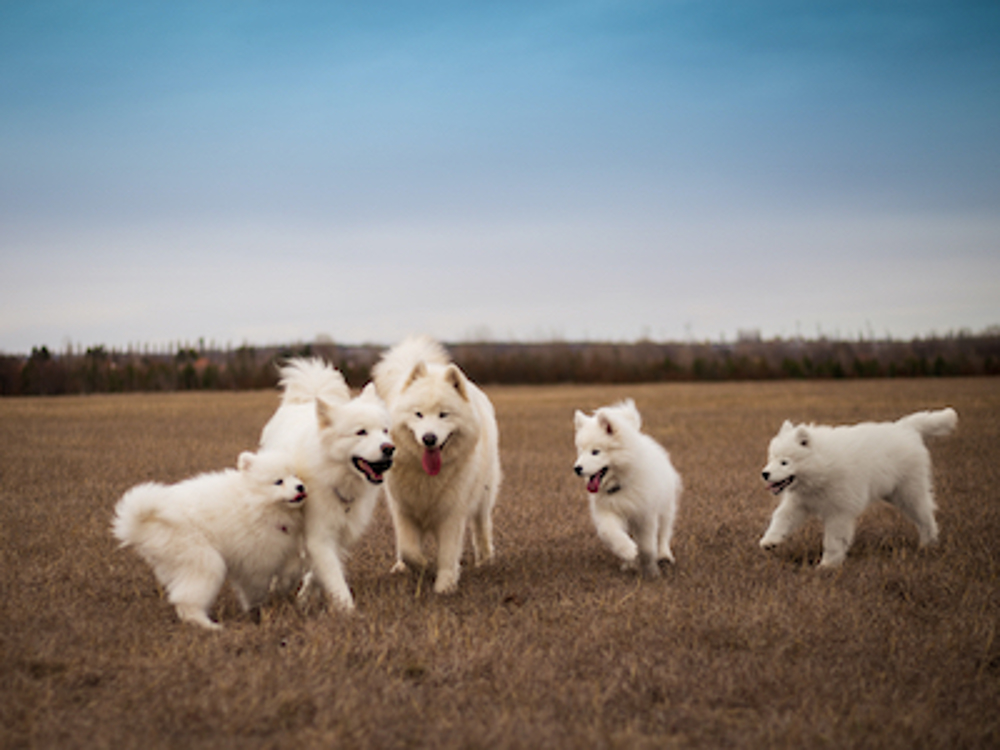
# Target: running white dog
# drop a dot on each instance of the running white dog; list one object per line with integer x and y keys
{"x": 447, "y": 470}
{"x": 342, "y": 449}
{"x": 246, "y": 522}
{"x": 634, "y": 489}
{"x": 836, "y": 472}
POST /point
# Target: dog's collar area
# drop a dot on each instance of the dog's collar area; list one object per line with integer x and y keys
{"x": 345, "y": 501}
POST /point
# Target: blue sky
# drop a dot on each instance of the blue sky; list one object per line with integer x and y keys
{"x": 251, "y": 172}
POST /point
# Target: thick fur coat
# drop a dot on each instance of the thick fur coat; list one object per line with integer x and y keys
{"x": 632, "y": 486}
{"x": 245, "y": 523}
{"x": 446, "y": 474}
{"x": 341, "y": 448}
{"x": 834, "y": 473}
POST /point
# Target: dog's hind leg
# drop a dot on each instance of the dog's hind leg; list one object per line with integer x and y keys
{"x": 838, "y": 535}
{"x": 915, "y": 499}
{"x": 482, "y": 533}
{"x": 648, "y": 541}
{"x": 666, "y": 534}
{"x": 195, "y": 585}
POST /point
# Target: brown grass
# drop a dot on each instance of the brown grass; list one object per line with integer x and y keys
{"x": 550, "y": 646}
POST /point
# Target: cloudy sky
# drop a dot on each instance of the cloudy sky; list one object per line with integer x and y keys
{"x": 265, "y": 172}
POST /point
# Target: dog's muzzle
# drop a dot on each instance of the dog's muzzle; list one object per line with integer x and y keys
{"x": 374, "y": 471}
{"x": 777, "y": 487}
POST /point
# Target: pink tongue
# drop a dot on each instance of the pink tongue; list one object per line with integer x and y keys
{"x": 432, "y": 461}
{"x": 594, "y": 484}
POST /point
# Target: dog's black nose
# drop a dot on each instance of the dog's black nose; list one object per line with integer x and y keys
{"x": 388, "y": 449}
{"x": 578, "y": 470}
{"x": 766, "y": 475}
{"x": 430, "y": 439}
{"x": 300, "y": 488}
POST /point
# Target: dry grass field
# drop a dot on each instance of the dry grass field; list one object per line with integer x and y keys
{"x": 553, "y": 645}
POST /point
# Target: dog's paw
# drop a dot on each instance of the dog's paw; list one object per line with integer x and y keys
{"x": 632, "y": 564}
{"x": 446, "y": 583}
{"x": 768, "y": 544}
{"x": 344, "y": 606}
{"x": 399, "y": 567}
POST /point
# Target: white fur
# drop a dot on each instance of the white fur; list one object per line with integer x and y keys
{"x": 433, "y": 404}
{"x": 246, "y": 522}
{"x": 633, "y": 488}
{"x": 341, "y": 447}
{"x": 836, "y": 472}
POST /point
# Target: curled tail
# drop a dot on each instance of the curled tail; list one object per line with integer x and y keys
{"x": 135, "y": 513}
{"x": 398, "y": 362}
{"x": 931, "y": 423}
{"x": 305, "y": 380}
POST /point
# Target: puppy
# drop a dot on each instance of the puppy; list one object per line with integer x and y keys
{"x": 836, "y": 472}
{"x": 633, "y": 487}
{"x": 245, "y": 523}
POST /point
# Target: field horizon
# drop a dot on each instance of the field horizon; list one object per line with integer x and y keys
{"x": 552, "y": 645}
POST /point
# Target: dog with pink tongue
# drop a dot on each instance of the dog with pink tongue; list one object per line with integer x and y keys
{"x": 446, "y": 472}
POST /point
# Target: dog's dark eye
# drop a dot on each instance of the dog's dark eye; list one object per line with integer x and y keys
{"x": 362, "y": 432}
{"x": 594, "y": 452}
{"x": 280, "y": 482}
{"x": 419, "y": 415}
{"x": 443, "y": 415}
{"x": 784, "y": 462}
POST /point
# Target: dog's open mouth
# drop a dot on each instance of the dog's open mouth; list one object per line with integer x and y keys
{"x": 298, "y": 499}
{"x": 594, "y": 483}
{"x": 777, "y": 487}
{"x": 374, "y": 471}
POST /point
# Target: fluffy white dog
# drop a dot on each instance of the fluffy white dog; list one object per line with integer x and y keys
{"x": 342, "y": 449}
{"x": 633, "y": 487}
{"x": 447, "y": 469}
{"x": 246, "y": 522}
{"x": 836, "y": 472}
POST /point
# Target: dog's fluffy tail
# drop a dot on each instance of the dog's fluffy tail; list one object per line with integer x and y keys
{"x": 397, "y": 363}
{"x": 136, "y": 512}
{"x": 931, "y": 423}
{"x": 305, "y": 380}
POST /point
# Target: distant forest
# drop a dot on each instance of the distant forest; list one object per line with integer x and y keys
{"x": 98, "y": 370}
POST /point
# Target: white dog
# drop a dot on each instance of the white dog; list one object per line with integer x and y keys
{"x": 246, "y": 522}
{"x": 447, "y": 469}
{"x": 342, "y": 449}
{"x": 837, "y": 472}
{"x": 634, "y": 489}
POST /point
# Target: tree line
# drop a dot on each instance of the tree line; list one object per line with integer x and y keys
{"x": 99, "y": 370}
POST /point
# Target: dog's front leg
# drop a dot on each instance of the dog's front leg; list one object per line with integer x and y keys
{"x": 329, "y": 569}
{"x": 451, "y": 539}
{"x": 787, "y": 517}
{"x": 611, "y": 530}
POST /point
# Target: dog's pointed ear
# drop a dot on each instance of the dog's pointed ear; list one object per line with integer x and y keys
{"x": 606, "y": 423}
{"x": 245, "y": 461}
{"x": 419, "y": 371}
{"x": 786, "y": 427}
{"x": 370, "y": 393}
{"x": 324, "y": 413}
{"x": 455, "y": 377}
{"x": 802, "y": 436}
{"x": 579, "y": 419}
